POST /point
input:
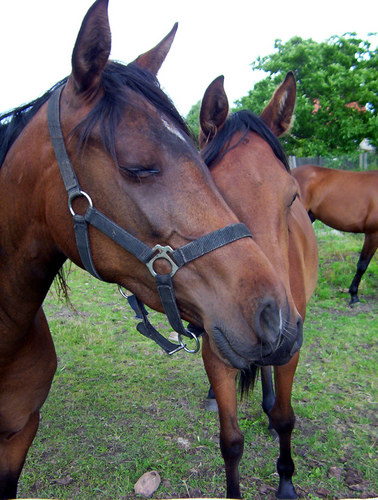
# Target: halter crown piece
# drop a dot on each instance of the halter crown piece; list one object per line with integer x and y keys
{"x": 145, "y": 254}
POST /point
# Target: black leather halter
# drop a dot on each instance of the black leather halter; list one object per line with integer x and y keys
{"x": 176, "y": 258}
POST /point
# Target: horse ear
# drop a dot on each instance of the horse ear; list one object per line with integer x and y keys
{"x": 92, "y": 48}
{"x": 279, "y": 113}
{"x": 214, "y": 111}
{"x": 154, "y": 58}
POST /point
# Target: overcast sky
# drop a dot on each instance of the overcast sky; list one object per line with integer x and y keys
{"x": 213, "y": 38}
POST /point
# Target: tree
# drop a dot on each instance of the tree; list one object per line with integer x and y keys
{"x": 337, "y": 100}
{"x": 192, "y": 120}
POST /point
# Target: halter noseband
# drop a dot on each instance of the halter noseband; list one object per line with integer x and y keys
{"x": 145, "y": 254}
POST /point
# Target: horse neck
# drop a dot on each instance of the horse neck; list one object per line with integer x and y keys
{"x": 29, "y": 259}
{"x": 303, "y": 257}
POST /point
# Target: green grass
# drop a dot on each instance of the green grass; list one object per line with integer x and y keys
{"x": 120, "y": 407}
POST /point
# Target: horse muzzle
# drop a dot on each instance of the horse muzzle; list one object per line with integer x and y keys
{"x": 273, "y": 350}
{"x": 290, "y": 343}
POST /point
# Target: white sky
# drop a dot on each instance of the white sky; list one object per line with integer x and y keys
{"x": 213, "y": 38}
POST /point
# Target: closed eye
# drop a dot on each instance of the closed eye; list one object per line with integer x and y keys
{"x": 138, "y": 171}
{"x": 294, "y": 198}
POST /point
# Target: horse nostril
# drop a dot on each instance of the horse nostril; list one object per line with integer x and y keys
{"x": 269, "y": 323}
{"x": 300, "y": 330}
{"x": 299, "y": 325}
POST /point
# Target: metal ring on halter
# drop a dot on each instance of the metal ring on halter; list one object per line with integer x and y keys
{"x": 194, "y": 337}
{"x": 162, "y": 253}
{"x": 73, "y": 196}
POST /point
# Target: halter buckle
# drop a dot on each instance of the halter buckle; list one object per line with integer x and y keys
{"x": 162, "y": 253}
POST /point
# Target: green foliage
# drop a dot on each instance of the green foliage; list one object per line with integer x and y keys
{"x": 337, "y": 99}
{"x": 192, "y": 119}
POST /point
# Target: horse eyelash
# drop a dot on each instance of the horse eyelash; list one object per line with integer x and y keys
{"x": 138, "y": 172}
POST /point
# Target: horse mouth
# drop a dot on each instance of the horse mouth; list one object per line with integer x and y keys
{"x": 283, "y": 354}
{"x": 240, "y": 356}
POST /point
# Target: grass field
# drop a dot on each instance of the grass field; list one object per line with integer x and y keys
{"x": 120, "y": 407}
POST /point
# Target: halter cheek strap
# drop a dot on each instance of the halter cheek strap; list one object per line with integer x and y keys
{"x": 145, "y": 254}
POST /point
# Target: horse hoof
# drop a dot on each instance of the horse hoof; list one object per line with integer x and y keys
{"x": 273, "y": 433}
{"x": 288, "y": 496}
{"x": 211, "y": 405}
{"x": 287, "y": 492}
{"x": 355, "y": 301}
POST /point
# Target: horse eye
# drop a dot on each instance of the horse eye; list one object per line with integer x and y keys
{"x": 294, "y": 198}
{"x": 138, "y": 171}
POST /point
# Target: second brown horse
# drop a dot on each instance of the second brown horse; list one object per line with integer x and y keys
{"x": 249, "y": 168}
{"x": 347, "y": 201}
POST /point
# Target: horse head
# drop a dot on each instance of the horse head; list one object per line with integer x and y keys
{"x": 136, "y": 163}
{"x": 249, "y": 168}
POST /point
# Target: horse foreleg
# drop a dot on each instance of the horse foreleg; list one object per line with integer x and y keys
{"x": 25, "y": 381}
{"x": 222, "y": 380}
{"x": 368, "y": 250}
{"x": 268, "y": 396}
{"x": 283, "y": 421}
{"x": 211, "y": 402}
{"x": 13, "y": 449}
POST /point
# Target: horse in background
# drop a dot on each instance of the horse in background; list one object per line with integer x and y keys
{"x": 346, "y": 201}
{"x": 250, "y": 169}
{"x": 102, "y": 170}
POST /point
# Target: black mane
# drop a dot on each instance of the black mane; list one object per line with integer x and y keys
{"x": 107, "y": 111}
{"x": 13, "y": 122}
{"x": 241, "y": 121}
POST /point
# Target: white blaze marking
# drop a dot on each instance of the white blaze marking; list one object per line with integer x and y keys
{"x": 173, "y": 130}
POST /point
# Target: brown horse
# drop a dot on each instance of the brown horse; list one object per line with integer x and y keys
{"x": 347, "y": 201}
{"x": 250, "y": 169}
{"x": 101, "y": 170}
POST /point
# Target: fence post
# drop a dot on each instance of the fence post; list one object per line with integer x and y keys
{"x": 292, "y": 162}
{"x": 363, "y": 161}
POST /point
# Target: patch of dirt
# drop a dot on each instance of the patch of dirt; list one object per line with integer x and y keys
{"x": 357, "y": 484}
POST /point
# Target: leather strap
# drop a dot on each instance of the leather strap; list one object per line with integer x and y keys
{"x": 140, "y": 250}
{"x": 149, "y": 331}
{"x": 68, "y": 174}
{"x": 210, "y": 242}
{"x": 167, "y": 296}
{"x": 83, "y": 245}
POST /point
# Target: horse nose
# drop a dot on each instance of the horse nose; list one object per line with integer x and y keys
{"x": 273, "y": 328}
{"x": 268, "y": 325}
